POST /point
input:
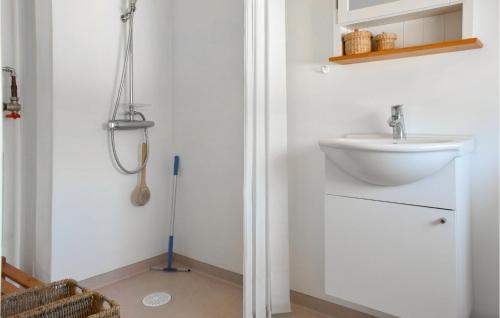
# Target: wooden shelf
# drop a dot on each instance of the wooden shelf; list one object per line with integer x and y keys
{"x": 436, "y": 48}
{"x": 17, "y": 276}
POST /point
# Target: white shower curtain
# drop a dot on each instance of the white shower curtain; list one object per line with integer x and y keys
{"x": 267, "y": 287}
{"x": 277, "y": 167}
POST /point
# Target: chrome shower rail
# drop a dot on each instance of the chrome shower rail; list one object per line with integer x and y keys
{"x": 130, "y": 123}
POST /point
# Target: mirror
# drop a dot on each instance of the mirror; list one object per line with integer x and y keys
{"x": 359, "y": 4}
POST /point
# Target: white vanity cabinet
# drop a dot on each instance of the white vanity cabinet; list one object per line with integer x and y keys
{"x": 398, "y": 259}
{"x": 401, "y": 250}
{"x": 355, "y": 11}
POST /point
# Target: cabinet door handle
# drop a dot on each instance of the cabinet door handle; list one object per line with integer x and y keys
{"x": 443, "y": 220}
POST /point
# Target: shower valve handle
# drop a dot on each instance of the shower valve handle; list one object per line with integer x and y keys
{"x": 13, "y": 87}
{"x": 13, "y": 115}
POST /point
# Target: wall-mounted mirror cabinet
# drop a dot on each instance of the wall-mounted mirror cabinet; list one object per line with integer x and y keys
{"x": 426, "y": 26}
{"x": 360, "y": 4}
{"x": 354, "y": 11}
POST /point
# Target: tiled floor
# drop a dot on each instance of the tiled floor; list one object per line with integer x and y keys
{"x": 194, "y": 295}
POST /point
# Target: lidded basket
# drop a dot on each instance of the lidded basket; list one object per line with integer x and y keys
{"x": 358, "y": 42}
{"x": 386, "y": 41}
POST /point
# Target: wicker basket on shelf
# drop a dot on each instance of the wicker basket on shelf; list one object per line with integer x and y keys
{"x": 63, "y": 299}
{"x": 386, "y": 41}
{"x": 358, "y": 42}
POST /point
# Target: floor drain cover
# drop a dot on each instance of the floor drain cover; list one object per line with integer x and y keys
{"x": 156, "y": 299}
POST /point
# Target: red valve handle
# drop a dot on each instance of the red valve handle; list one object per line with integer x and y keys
{"x": 13, "y": 115}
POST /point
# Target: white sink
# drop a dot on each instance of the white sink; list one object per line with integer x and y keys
{"x": 378, "y": 159}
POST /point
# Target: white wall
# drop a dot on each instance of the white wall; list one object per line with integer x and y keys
{"x": 89, "y": 198}
{"x": 18, "y": 36}
{"x": 11, "y": 219}
{"x": 443, "y": 94}
{"x": 43, "y": 135}
{"x": 79, "y": 203}
{"x": 208, "y": 98}
{"x": 95, "y": 228}
{"x": 27, "y": 163}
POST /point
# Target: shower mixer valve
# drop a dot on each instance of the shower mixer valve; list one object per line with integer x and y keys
{"x": 13, "y": 106}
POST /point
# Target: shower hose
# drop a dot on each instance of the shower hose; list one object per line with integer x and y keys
{"x": 128, "y": 64}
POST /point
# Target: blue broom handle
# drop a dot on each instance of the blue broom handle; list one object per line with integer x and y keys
{"x": 174, "y": 194}
{"x": 176, "y": 165}
{"x": 170, "y": 253}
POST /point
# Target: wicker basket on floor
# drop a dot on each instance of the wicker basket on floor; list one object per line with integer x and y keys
{"x": 32, "y": 298}
{"x": 86, "y": 305}
{"x": 62, "y": 299}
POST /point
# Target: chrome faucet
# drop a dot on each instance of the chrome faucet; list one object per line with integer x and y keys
{"x": 397, "y": 122}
